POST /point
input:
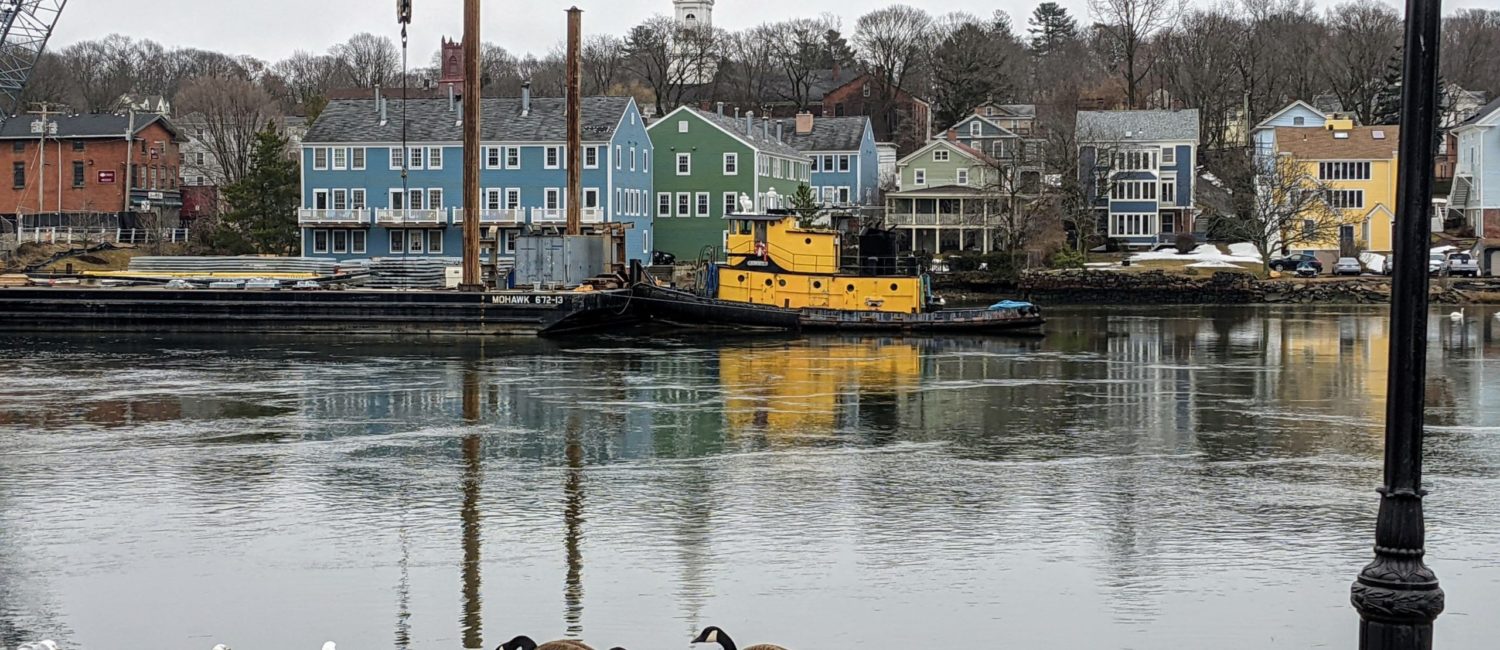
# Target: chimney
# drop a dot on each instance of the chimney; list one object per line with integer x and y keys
{"x": 736, "y": 112}
{"x": 749, "y": 122}
{"x": 525, "y": 98}
{"x": 835, "y": 70}
{"x": 804, "y": 122}
{"x": 952, "y": 135}
{"x": 720, "y": 107}
{"x": 450, "y": 98}
{"x": 765, "y": 127}
{"x": 778, "y": 130}
{"x": 378, "y": 105}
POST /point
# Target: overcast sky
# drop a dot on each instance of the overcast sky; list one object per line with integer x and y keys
{"x": 273, "y": 29}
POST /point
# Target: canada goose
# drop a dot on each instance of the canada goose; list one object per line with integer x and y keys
{"x": 524, "y": 642}
{"x": 1457, "y": 316}
{"x": 713, "y": 634}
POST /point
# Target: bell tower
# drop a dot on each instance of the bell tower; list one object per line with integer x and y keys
{"x": 452, "y": 69}
{"x": 695, "y": 13}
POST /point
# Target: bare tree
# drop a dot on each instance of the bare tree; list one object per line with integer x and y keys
{"x": 1289, "y": 208}
{"x": 799, "y": 53}
{"x": 602, "y": 57}
{"x": 307, "y": 75}
{"x": 754, "y": 53}
{"x": 1198, "y": 68}
{"x": 1363, "y": 39}
{"x": 1471, "y": 46}
{"x": 1129, "y": 24}
{"x": 369, "y": 60}
{"x": 893, "y": 45}
{"x": 227, "y": 112}
{"x": 669, "y": 57}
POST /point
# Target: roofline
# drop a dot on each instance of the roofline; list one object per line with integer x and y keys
{"x": 986, "y": 119}
{"x": 935, "y": 143}
{"x": 434, "y": 143}
{"x": 1286, "y": 108}
{"x": 732, "y": 134}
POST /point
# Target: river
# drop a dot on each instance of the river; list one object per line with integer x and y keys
{"x": 1158, "y": 477}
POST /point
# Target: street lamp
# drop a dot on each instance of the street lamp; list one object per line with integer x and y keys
{"x": 1396, "y": 594}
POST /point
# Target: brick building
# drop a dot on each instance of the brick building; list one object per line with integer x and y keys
{"x": 89, "y": 164}
{"x": 898, "y": 116}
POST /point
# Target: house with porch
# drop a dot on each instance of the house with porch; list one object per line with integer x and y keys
{"x": 951, "y": 196}
{"x": 1357, "y": 165}
{"x": 366, "y": 194}
{"x": 845, "y": 165}
{"x": 1138, "y": 170}
{"x": 705, "y": 160}
{"x": 1475, "y": 197}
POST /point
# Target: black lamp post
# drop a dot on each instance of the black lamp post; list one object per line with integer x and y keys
{"x": 1397, "y": 596}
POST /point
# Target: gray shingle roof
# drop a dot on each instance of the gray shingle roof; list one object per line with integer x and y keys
{"x": 429, "y": 120}
{"x": 755, "y": 138}
{"x": 1484, "y": 111}
{"x": 94, "y": 125}
{"x": 1141, "y": 125}
{"x": 828, "y": 134}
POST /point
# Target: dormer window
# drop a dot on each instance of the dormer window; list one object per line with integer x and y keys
{"x": 976, "y": 129}
{"x": 1299, "y": 121}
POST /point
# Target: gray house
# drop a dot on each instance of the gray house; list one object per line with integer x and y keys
{"x": 1138, "y": 170}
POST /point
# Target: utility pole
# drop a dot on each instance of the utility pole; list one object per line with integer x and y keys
{"x": 472, "y": 280}
{"x": 42, "y": 127}
{"x": 129, "y": 158}
{"x": 575, "y": 127}
{"x": 1397, "y": 595}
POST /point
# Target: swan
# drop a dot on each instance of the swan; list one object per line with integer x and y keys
{"x": 330, "y": 646}
{"x": 713, "y": 634}
{"x": 1456, "y": 316}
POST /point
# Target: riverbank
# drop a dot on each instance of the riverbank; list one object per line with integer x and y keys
{"x": 1106, "y": 287}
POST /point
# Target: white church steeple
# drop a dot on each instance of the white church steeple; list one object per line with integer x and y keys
{"x": 695, "y": 13}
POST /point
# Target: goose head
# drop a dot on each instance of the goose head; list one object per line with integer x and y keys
{"x": 712, "y": 634}
{"x": 521, "y": 642}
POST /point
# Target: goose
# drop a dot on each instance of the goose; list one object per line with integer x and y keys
{"x": 713, "y": 634}
{"x": 1456, "y": 316}
{"x": 524, "y": 642}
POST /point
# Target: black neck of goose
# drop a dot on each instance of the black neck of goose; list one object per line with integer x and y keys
{"x": 725, "y": 642}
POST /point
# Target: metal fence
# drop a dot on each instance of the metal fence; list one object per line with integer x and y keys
{"x": 63, "y": 235}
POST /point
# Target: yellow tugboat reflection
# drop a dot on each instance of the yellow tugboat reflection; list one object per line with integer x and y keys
{"x": 803, "y": 389}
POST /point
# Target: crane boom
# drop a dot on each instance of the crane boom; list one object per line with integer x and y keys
{"x": 25, "y": 26}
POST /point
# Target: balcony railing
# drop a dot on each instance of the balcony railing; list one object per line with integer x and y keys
{"x": 333, "y": 217}
{"x": 560, "y": 215}
{"x": 502, "y": 216}
{"x": 398, "y": 217}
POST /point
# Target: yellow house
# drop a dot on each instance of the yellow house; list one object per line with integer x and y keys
{"x": 1358, "y": 164}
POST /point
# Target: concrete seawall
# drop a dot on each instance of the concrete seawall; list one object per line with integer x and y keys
{"x": 1158, "y": 287}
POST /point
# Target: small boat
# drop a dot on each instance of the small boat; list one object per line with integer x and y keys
{"x": 781, "y": 275}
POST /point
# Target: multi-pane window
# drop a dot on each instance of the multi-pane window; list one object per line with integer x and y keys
{"x": 553, "y": 157}
{"x": 702, "y": 204}
{"x": 1132, "y": 224}
{"x": 398, "y": 241}
{"x": 341, "y": 199}
{"x": 1169, "y": 192}
{"x": 684, "y": 204}
{"x": 552, "y": 199}
{"x": 512, "y": 157}
{"x": 78, "y": 173}
{"x": 396, "y": 157}
{"x": 730, "y": 204}
{"x": 1346, "y": 199}
{"x": 340, "y": 158}
{"x": 357, "y": 242}
{"x": 1169, "y": 155}
{"x": 684, "y": 164}
{"x": 1344, "y": 171}
{"x": 844, "y": 163}
{"x": 18, "y": 174}
{"x": 357, "y": 198}
{"x": 340, "y": 241}
{"x": 919, "y": 176}
{"x": 416, "y": 158}
{"x": 663, "y": 204}
{"x": 1135, "y": 160}
{"x": 434, "y": 157}
{"x": 492, "y": 199}
{"x": 512, "y": 198}
{"x": 492, "y": 157}
{"x": 320, "y": 241}
{"x": 435, "y": 199}
{"x": 435, "y": 241}
{"x": 320, "y": 158}
{"x": 731, "y": 164}
{"x": 962, "y": 177}
{"x": 357, "y": 158}
{"x": 591, "y": 157}
{"x": 940, "y": 155}
{"x": 1133, "y": 191}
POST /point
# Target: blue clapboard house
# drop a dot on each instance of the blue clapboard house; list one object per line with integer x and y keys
{"x": 845, "y": 166}
{"x": 356, "y": 204}
{"x": 1138, "y": 169}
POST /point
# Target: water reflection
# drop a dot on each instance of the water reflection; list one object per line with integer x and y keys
{"x": 1140, "y": 472}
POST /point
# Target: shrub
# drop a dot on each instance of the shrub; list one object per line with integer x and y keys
{"x": 1186, "y": 242}
{"x": 1067, "y": 258}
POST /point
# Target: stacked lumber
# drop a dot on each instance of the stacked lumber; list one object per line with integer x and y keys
{"x": 409, "y": 272}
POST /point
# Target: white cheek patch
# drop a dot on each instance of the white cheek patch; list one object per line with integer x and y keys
{"x": 713, "y": 637}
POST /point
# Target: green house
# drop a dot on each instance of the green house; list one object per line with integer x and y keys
{"x": 704, "y": 162}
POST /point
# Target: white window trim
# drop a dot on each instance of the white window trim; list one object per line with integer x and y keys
{"x": 548, "y": 194}
{"x": 435, "y": 162}
{"x": 731, "y": 203}
{"x": 433, "y": 236}
{"x": 394, "y": 248}
{"x": 360, "y": 236}
{"x": 619, "y": 157}
{"x": 684, "y": 157}
{"x": 512, "y": 192}
{"x": 396, "y": 158}
{"x": 324, "y": 152}
{"x": 324, "y": 247}
{"x": 659, "y": 197}
{"x": 594, "y": 192}
{"x": 961, "y": 176}
{"x": 679, "y": 209}
{"x": 586, "y": 152}
{"x": 703, "y": 204}
{"x": 940, "y": 152}
{"x": 510, "y": 152}
{"x": 363, "y": 158}
{"x": 547, "y": 152}
{"x": 682, "y": 126}
{"x": 333, "y": 158}
{"x": 731, "y": 159}
{"x": 919, "y": 176}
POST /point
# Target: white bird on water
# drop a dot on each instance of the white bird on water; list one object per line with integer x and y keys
{"x": 221, "y": 647}
{"x": 49, "y": 644}
{"x": 1457, "y": 316}
{"x": 330, "y": 646}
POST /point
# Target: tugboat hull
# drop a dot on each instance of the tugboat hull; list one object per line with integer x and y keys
{"x": 690, "y": 309}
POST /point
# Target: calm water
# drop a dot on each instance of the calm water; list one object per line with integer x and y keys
{"x": 1134, "y": 480}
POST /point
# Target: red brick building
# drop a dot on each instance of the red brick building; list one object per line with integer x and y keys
{"x": 89, "y": 170}
{"x": 897, "y": 116}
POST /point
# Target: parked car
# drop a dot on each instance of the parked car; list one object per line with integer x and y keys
{"x": 1462, "y": 264}
{"x": 1307, "y": 270}
{"x": 1295, "y": 261}
{"x": 1436, "y": 262}
{"x": 1347, "y": 266}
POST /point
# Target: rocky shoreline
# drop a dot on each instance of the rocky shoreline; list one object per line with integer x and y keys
{"x": 1159, "y": 287}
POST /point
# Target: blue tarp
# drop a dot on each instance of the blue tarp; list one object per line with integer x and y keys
{"x": 1009, "y": 304}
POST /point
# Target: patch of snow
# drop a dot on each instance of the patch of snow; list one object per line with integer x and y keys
{"x": 1203, "y": 253}
{"x": 1373, "y": 261}
{"x": 1443, "y": 249}
{"x": 1213, "y": 264}
{"x": 1244, "y": 249}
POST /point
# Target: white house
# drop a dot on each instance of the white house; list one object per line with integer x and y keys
{"x": 1476, "y": 177}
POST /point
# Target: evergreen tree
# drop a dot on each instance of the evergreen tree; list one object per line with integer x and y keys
{"x": 1050, "y": 26}
{"x": 805, "y": 205}
{"x": 263, "y": 204}
{"x": 837, "y": 50}
{"x": 1387, "y": 106}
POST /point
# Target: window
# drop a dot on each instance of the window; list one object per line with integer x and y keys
{"x": 19, "y": 146}
{"x": 198, "y": 158}
{"x": 357, "y": 242}
{"x": 397, "y": 200}
{"x": 434, "y": 157}
{"x": 702, "y": 204}
{"x": 1133, "y": 191}
{"x": 320, "y": 158}
{"x": 684, "y": 204}
{"x": 340, "y": 241}
{"x": 398, "y": 241}
{"x": 731, "y": 164}
{"x": 199, "y": 180}
{"x": 320, "y": 241}
{"x": 513, "y": 198}
{"x": 512, "y": 157}
{"x": 414, "y": 241}
{"x": 435, "y": 241}
{"x": 1169, "y": 192}
{"x": 1135, "y": 160}
{"x": 491, "y": 199}
{"x": 78, "y": 145}
{"x": 1133, "y": 224}
{"x": 940, "y": 155}
{"x": 416, "y": 157}
{"x": 78, "y": 173}
{"x": 619, "y": 157}
{"x": 591, "y": 197}
{"x": 684, "y": 164}
{"x": 357, "y": 198}
{"x": 320, "y": 199}
{"x": 776, "y": 168}
{"x": 632, "y": 159}
{"x": 844, "y": 163}
{"x": 492, "y": 157}
{"x": 762, "y": 165}
{"x": 1168, "y": 225}
{"x": 962, "y": 177}
{"x": 730, "y": 204}
{"x": 844, "y": 195}
{"x": 1346, "y": 199}
{"x": 976, "y": 129}
{"x": 591, "y": 157}
{"x": 396, "y": 158}
{"x": 827, "y": 163}
{"x": 510, "y": 241}
{"x": 663, "y": 204}
{"x": 357, "y": 158}
{"x": 552, "y": 199}
{"x": 1299, "y": 121}
{"x": 553, "y": 158}
{"x": 341, "y": 199}
{"x": 340, "y": 158}
{"x": 435, "y": 199}
{"x": 1169, "y": 155}
{"x": 682, "y": 126}
{"x": 827, "y": 194}
{"x": 414, "y": 199}
{"x": 919, "y": 177}
{"x": 1344, "y": 171}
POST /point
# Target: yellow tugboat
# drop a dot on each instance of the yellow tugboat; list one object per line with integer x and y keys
{"x": 780, "y": 274}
